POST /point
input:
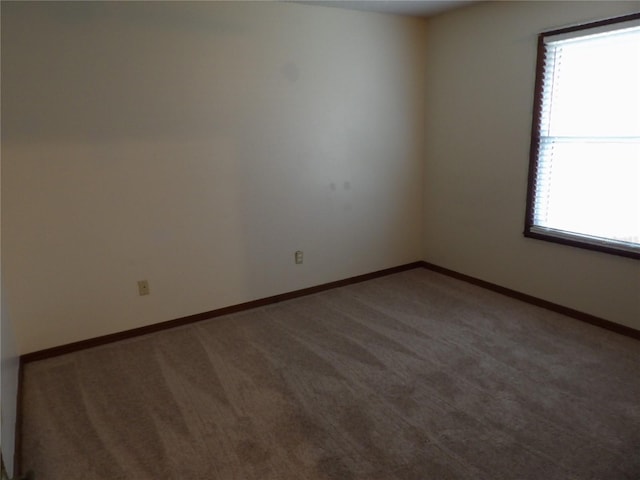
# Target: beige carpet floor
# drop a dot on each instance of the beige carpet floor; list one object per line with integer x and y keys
{"x": 412, "y": 376}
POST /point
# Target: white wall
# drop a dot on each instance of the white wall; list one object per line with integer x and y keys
{"x": 479, "y": 88}
{"x": 8, "y": 376}
{"x": 198, "y": 145}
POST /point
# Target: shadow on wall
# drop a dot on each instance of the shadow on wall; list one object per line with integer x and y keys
{"x": 198, "y": 146}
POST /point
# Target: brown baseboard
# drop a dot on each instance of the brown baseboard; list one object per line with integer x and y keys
{"x": 114, "y": 337}
{"x": 570, "y": 312}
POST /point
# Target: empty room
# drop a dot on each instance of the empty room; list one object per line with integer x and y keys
{"x": 320, "y": 240}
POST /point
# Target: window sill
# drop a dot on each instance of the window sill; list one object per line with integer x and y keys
{"x": 583, "y": 241}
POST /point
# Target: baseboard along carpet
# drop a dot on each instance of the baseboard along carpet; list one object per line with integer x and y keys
{"x": 411, "y": 376}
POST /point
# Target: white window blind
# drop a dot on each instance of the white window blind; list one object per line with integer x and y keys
{"x": 587, "y": 178}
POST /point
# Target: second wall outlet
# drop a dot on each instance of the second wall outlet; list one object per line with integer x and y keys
{"x": 143, "y": 287}
{"x": 299, "y": 256}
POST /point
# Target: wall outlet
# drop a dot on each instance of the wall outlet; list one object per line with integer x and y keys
{"x": 299, "y": 257}
{"x": 143, "y": 287}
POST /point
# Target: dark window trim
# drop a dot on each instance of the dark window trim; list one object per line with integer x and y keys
{"x": 535, "y": 144}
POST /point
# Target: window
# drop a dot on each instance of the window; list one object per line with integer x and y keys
{"x": 584, "y": 172}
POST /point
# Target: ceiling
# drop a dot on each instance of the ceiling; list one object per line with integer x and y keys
{"x": 417, "y": 8}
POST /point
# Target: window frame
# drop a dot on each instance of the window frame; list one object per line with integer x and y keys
{"x": 600, "y": 245}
